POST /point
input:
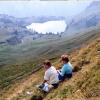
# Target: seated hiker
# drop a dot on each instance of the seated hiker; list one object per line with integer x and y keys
{"x": 50, "y": 78}
{"x": 66, "y": 70}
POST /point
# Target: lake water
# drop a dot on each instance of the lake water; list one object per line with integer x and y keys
{"x": 50, "y": 26}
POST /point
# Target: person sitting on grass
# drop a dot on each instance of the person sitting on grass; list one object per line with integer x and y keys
{"x": 66, "y": 71}
{"x": 50, "y": 77}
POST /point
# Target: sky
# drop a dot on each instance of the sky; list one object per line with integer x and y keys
{"x": 30, "y": 8}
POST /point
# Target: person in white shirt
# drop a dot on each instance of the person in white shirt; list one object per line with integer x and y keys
{"x": 50, "y": 77}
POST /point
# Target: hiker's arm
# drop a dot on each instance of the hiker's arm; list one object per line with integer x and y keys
{"x": 46, "y": 77}
{"x": 63, "y": 71}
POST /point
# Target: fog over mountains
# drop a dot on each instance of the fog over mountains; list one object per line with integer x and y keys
{"x": 49, "y": 26}
{"x": 88, "y": 18}
{"x": 15, "y": 30}
{"x": 27, "y": 41}
{"x": 37, "y": 8}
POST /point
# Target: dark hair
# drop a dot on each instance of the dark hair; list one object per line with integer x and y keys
{"x": 47, "y": 62}
{"x": 65, "y": 58}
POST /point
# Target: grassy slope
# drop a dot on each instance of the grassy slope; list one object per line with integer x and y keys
{"x": 84, "y": 84}
{"x": 27, "y": 58}
{"x": 10, "y": 73}
{"x": 26, "y": 52}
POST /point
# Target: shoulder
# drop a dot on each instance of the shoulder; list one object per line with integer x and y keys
{"x": 52, "y": 67}
{"x": 65, "y": 65}
{"x": 47, "y": 73}
{"x": 49, "y": 70}
{"x": 70, "y": 64}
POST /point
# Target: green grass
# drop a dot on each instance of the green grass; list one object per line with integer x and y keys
{"x": 89, "y": 85}
{"x": 10, "y": 74}
{"x": 20, "y": 60}
{"x": 68, "y": 90}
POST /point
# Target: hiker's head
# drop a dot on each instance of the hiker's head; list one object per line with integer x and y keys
{"x": 46, "y": 64}
{"x": 64, "y": 59}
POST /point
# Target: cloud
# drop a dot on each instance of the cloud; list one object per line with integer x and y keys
{"x": 39, "y": 8}
{"x": 50, "y": 26}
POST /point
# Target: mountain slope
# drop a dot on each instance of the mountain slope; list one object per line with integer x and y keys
{"x": 90, "y": 17}
{"x": 13, "y": 30}
{"x": 18, "y": 62}
{"x": 83, "y": 85}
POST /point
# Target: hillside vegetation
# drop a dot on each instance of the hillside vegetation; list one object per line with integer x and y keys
{"x": 18, "y": 62}
{"x": 85, "y": 83}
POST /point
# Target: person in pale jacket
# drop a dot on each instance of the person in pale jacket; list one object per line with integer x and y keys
{"x": 50, "y": 77}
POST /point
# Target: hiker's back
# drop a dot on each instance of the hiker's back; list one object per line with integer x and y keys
{"x": 51, "y": 73}
{"x": 67, "y": 68}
